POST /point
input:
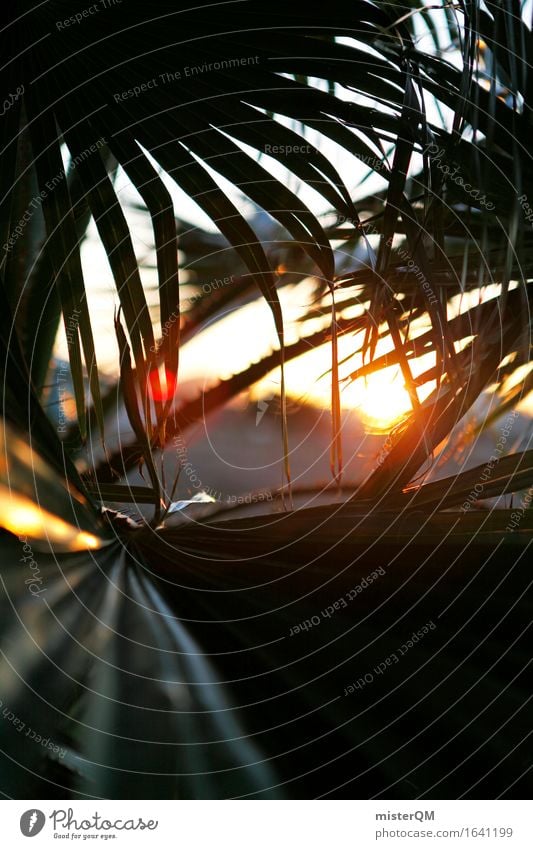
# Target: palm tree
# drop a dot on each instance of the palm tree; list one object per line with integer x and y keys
{"x": 361, "y": 647}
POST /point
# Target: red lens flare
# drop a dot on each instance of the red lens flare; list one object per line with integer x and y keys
{"x": 162, "y": 384}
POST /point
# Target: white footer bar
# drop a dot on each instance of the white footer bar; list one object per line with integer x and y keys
{"x": 268, "y": 825}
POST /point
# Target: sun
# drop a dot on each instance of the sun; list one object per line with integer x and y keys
{"x": 381, "y": 400}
